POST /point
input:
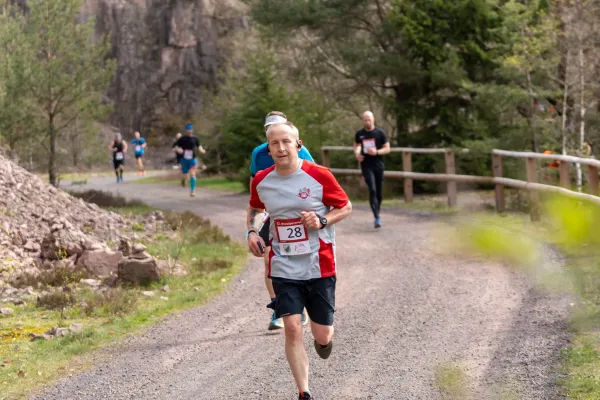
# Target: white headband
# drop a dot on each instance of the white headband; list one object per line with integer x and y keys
{"x": 274, "y": 119}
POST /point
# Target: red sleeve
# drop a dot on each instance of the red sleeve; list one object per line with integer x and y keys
{"x": 333, "y": 194}
{"x": 255, "y": 201}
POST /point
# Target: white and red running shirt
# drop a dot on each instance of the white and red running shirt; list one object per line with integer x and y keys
{"x": 299, "y": 253}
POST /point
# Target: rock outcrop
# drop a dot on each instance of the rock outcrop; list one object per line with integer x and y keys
{"x": 168, "y": 54}
{"x": 44, "y": 229}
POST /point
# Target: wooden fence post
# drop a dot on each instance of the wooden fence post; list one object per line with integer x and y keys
{"x": 325, "y": 157}
{"x": 497, "y": 170}
{"x": 563, "y": 168}
{"x": 450, "y": 185}
{"x": 593, "y": 179}
{"x": 408, "y": 183}
{"x": 534, "y": 199}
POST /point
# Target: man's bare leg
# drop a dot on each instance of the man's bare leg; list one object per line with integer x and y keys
{"x": 321, "y": 333}
{"x": 295, "y": 351}
{"x": 141, "y": 166}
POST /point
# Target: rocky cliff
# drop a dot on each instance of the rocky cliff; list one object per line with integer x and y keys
{"x": 169, "y": 54}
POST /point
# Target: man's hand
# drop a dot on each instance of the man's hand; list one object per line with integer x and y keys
{"x": 359, "y": 157}
{"x": 179, "y": 150}
{"x": 115, "y": 150}
{"x": 372, "y": 151}
{"x": 202, "y": 150}
{"x": 310, "y": 220}
{"x": 254, "y": 246}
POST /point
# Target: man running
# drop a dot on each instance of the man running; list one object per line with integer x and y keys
{"x": 304, "y": 201}
{"x": 186, "y": 146}
{"x": 261, "y": 160}
{"x": 370, "y": 144}
{"x": 138, "y": 151}
{"x": 178, "y": 156}
{"x": 118, "y": 148}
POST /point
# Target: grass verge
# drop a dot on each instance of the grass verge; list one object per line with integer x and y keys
{"x": 212, "y": 182}
{"x": 211, "y": 260}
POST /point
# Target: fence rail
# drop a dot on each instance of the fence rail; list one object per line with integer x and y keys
{"x": 451, "y": 178}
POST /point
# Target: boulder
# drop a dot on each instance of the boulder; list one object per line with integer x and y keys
{"x": 61, "y": 244}
{"x": 125, "y": 247}
{"x": 138, "y": 248}
{"x": 101, "y": 262}
{"x": 140, "y": 271}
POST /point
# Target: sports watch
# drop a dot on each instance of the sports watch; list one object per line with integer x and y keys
{"x": 323, "y": 221}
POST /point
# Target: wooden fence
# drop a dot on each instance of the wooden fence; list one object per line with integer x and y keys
{"x": 451, "y": 178}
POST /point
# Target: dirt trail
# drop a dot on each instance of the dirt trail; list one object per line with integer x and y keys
{"x": 403, "y": 309}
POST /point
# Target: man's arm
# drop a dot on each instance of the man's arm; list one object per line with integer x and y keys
{"x": 357, "y": 152}
{"x": 200, "y": 148}
{"x": 333, "y": 197}
{"x": 335, "y": 215}
{"x": 384, "y": 150}
{"x": 254, "y": 240}
{"x": 124, "y": 146}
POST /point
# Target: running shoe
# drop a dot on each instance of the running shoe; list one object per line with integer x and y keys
{"x": 324, "y": 351}
{"x": 305, "y": 396}
{"x": 193, "y": 194}
{"x": 377, "y": 222}
{"x": 276, "y": 323}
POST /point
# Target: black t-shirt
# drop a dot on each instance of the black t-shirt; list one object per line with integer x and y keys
{"x": 375, "y": 138}
{"x": 119, "y": 146}
{"x": 188, "y": 143}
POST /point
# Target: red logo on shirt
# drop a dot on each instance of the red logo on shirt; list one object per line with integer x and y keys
{"x": 304, "y": 193}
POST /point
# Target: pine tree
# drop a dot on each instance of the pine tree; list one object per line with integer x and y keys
{"x": 67, "y": 70}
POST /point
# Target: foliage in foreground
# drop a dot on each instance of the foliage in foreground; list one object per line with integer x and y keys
{"x": 571, "y": 227}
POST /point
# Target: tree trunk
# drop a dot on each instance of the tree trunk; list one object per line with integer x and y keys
{"x": 52, "y": 156}
{"x": 564, "y": 106}
{"x": 582, "y": 109}
{"x": 532, "y": 121}
{"x": 402, "y": 135}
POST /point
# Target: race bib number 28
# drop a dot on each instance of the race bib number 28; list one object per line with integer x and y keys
{"x": 292, "y": 237}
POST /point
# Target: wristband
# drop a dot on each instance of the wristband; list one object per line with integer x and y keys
{"x": 249, "y": 232}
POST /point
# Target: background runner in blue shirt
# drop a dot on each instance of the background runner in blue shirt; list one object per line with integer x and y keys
{"x": 139, "y": 148}
{"x": 261, "y": 160}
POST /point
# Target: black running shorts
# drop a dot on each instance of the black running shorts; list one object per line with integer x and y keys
{"x": 264, "y": 232}
{"x": 118, "y": 163}
{"x": 316, "y": 295}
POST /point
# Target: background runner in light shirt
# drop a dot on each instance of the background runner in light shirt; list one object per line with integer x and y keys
{"x": 304, "y": 201}
{"x": 261, "y": 160}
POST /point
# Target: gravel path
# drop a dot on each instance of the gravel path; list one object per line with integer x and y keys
{"x": 403, "y": 310}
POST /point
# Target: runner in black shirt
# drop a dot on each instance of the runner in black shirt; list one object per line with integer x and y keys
{"x": 186, "y": 146}
{"x": 370, "y": 144}
{"x": 118, "y": 148}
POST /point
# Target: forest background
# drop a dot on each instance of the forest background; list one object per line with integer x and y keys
{"x": 476, "y": 74}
